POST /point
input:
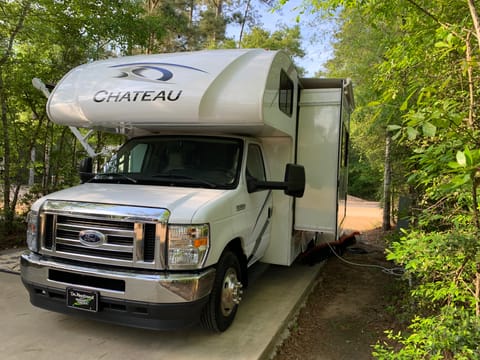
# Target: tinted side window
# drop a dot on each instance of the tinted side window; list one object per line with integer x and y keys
{"x": 285, "y": 98}
{"x": 255, "y": 166}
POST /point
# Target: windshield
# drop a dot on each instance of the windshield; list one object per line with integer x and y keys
{"x": 211, "y": 162}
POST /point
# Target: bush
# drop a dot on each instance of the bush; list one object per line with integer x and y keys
{"x": 443, "y": 270}
{"x": 453, "y": 333}
{"x": 13, "y": 236}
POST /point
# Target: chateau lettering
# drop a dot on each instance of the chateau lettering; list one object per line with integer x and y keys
{"x": 138, "y": 95}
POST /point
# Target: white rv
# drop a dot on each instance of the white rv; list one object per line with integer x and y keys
{"x": 163, "y": 237}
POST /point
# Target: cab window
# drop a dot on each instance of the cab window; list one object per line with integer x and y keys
{"x": 285, "y": 98}
{"x": 255, "y": 166}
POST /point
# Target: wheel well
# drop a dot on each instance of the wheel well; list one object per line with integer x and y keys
{"x": 236, "y": 247}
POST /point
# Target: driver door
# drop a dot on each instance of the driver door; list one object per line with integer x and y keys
{"x": 259, "y": 205}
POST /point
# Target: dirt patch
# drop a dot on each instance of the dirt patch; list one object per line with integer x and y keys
{"x": 362, "y": 215}
{"x": 353, "y": 302}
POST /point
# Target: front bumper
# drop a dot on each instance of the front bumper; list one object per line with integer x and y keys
{"x": 147, "y": 299}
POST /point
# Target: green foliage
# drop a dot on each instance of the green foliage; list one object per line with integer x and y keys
{"x": 286, "y": 38}
{"x": 364, "y": 178}
{"x": 163, "y": 27}
{"x": 442, "y": 266}
{"x": 452, "y": 334}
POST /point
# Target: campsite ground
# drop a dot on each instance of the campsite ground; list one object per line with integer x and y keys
{"x": 352, "y": 303}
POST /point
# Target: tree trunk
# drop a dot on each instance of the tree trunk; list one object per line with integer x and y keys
{"x": 150, "y": 7}
{"x": 8, "y": 213}
{"x": 477, "y": 292}
{"x": 476, "y": 221}
{"x": 387, "y": 187}
{"x": 6, "y": 154}
{"x": 57, "y": 166}
{"x": 471, "y": 89}
{"x": 46, "y": 158}
{"x": 245, "y": 14}
{"x": 218, "y": 6}
{"x": 475, "y": 19}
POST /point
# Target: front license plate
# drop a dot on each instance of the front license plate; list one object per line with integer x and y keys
{"x": 82, "y": 299}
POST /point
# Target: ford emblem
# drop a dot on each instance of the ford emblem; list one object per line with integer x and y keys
{"x": 91, "y": 237}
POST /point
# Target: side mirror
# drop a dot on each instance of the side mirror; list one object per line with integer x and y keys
{"x": 85, "y": 169}
{"x": 295, "y": 180}
{"x": 293, "y": 185}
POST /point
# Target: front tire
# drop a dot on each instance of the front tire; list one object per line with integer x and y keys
{"x": 222, "y": 305}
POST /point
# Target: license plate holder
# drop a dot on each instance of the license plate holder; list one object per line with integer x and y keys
{"x": 82, "y": 299}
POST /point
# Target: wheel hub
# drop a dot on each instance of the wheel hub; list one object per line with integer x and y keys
{"x": 231, "y": 292}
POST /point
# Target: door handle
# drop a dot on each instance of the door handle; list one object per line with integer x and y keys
{"x": 241, "y": 207}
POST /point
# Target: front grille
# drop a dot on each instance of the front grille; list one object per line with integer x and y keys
{"x": 49, "y": 232}
{"x": 82, "y": 250}
{"x": 124, "y": 237}
{"x": 96, "y": 223}
{"x": 149, "y": 242}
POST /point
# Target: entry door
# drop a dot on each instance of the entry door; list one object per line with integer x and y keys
{"x": 259, "y": 204}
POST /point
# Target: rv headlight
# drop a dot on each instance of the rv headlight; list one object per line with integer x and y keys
{"x": 32, "y": 231}
{"x": 187, "y": 245}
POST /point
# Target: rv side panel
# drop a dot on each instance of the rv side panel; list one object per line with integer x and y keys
{"x": 318, "y": 150}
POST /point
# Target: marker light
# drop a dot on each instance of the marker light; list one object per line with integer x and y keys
{"x": 32, "y": 231}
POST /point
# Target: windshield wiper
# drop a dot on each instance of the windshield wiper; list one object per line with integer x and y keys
{"x": 185, "y": 177}
{"x": 111, "y": 176}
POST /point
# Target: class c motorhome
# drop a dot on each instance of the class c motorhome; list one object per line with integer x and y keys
{"x": 230, "y": 159}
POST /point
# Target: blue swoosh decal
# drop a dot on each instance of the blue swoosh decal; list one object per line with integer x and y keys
{"x": 160, "y": 63}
